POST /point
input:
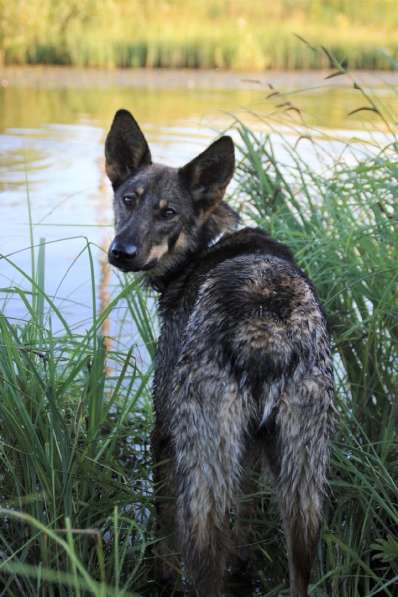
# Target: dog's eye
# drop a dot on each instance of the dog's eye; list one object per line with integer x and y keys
{"x": 168, "y": 213}
{"x": 129, "y": 199}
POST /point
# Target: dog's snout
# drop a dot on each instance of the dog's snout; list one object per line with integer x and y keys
{"x": 121, "y": 250}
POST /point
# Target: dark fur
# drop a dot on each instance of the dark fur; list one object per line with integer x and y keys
{"x": 243, "y": 370}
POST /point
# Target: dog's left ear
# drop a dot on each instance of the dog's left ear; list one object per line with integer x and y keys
{"x": 126, "y": 149}
{"x": 208, "y": 175}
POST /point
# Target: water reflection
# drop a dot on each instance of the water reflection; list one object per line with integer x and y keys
{"x": 51, "y": 141}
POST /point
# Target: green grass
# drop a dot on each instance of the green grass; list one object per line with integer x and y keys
{"x": 75, "y": 419}
{"x": 234, "y": 34}
{"x": 75, "y": 422}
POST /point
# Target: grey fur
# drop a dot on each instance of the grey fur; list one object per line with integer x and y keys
{"x": 243, "y": 368}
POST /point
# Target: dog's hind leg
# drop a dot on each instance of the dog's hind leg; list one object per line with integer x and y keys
{"x": 209, "y": 436}
{"x": 303, "y": 425}
{"x": 247, "y": 525}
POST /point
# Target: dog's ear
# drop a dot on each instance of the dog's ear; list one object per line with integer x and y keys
{"x": 208, "y": 175}
{"x": 126, "y": 149}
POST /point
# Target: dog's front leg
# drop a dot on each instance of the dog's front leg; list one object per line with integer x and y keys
{"x": 167, "y": 567}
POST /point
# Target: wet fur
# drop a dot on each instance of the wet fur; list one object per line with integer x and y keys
{"x": 243, "y": 372}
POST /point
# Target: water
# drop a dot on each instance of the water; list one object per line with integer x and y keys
{"x": 52, "y": 128}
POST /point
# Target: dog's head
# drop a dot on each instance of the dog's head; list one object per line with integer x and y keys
{"x": 162, "y": 213}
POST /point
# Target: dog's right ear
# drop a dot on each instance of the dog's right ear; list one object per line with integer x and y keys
{"x": 126, "y": 149}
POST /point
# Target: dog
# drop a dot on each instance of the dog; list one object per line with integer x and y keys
{"x": 243, "y": 371}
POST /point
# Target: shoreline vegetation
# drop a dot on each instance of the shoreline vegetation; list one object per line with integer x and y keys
{"x": 227, "y": 34}
{"x": 77, "y": 516}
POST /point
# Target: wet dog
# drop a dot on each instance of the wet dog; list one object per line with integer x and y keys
{"x": 243, "y": 368}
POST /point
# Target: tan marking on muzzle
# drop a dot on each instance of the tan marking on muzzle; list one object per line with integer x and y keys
{"x": 158, "y": 251}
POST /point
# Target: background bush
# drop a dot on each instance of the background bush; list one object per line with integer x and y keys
{"x": 253, "y": 35}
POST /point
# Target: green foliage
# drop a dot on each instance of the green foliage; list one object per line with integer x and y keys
{"x": 217, "y": 33}
{"x": 75, "y": 420}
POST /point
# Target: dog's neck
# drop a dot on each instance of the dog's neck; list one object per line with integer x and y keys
{"x": 221, "y": 220}
{"x": 180, "y": 286}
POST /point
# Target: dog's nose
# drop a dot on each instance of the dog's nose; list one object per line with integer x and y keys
{"x": 121, "y": 250}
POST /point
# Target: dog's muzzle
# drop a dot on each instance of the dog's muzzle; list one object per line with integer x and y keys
{"x": 122, "y": 254}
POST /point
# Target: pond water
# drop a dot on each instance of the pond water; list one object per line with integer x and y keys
{"x": 52, "y": 128}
